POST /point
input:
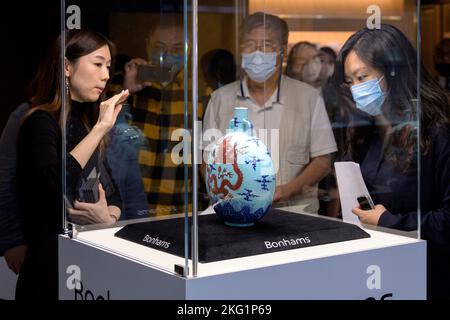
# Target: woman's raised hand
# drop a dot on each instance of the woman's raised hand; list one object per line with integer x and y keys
{"x": 109, "y": 110}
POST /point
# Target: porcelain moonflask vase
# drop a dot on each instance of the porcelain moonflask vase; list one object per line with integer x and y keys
{"x": 240, "y": 176}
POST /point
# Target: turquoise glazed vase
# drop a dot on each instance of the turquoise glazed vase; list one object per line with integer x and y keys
{"x": 240, "y": 176}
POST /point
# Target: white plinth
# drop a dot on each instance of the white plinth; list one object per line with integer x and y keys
{"x": 385, "y": 264}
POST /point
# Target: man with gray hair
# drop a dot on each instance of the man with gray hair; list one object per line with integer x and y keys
{"x": 279, "y": 104}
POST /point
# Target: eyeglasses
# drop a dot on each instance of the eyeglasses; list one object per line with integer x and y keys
{"x": 164, "y": 49}
{"x": 265, "y": 46}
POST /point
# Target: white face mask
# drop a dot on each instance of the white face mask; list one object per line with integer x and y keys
{"x": 258, "y": 65}
{"x": 311, "y": 71}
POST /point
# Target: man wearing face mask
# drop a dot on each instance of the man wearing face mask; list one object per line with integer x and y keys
{"x": 442, "y": 63}
{"x": 281, "y": 105}
{"x": 156, "y": 86}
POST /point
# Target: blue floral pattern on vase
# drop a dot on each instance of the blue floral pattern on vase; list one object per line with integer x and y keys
{"x": 240, "y": 175}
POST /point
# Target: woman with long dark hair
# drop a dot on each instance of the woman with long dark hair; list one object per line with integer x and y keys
{"x": 379, "y": 69}
{"x": 87, "y": 120}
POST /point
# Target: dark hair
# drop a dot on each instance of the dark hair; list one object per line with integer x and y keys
{"x": 218, "y": 65}
{"x": 388, "y": 50}
{"x": 165, "y": 20}
{"x": 46, "y": 89}
{"x": 269, "y": 22}
{"x": 330, "y": 52}
{"x": 293, "y": 52}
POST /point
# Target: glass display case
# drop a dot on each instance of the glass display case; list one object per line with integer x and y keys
{"x": 141, "y": 162}
{"x": 268, "y": 149}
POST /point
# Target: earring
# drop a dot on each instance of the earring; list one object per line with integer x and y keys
{"x": 67, "y": 85}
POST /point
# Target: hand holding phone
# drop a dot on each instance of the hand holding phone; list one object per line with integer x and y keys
{"x": 131, "y": 79}
{"x": 364, "y": 203}
{"x": 154, "y": 73}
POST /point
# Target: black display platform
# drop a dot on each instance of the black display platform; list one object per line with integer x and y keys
{"x": 278, "y": 230}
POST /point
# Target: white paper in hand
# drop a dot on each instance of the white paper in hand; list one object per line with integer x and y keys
{"x": 351, "y": 186}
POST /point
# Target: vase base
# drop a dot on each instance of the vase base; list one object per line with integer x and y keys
{"x": 239, "y": 225}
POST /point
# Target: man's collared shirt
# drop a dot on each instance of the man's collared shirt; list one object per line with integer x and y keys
{"x": 266, "y": 117}
{"x": 304, "y": 130}
{"x": 269, "y": 117}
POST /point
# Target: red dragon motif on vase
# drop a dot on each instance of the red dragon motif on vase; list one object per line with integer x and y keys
{"x": 225, "y": 184}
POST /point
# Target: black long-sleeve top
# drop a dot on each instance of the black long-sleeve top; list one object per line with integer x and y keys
{"x": 39, "y": 174}
{"x": 76, "y": 131}
{"x": 396, "y": 189}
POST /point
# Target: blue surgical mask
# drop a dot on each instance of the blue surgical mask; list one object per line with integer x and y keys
{"x": 175, "y": 61}
{"x": 258, "y": 65}
{"x": 368, "y": 96}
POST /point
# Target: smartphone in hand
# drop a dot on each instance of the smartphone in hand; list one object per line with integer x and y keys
{"x": 154, "y": 73}
{"x": 364, "y": 203}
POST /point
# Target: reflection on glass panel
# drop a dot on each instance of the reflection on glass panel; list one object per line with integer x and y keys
{"x": 157, "y": 109}
{"x": 318, "y": 91}
{"x": 129, "y": 120}
{"x": 331, "y": 90}
{"x": 281, "y": 110}
{"x": 140, "y": 159}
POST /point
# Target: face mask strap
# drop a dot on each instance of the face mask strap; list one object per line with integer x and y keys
{"x": 279, "y": 75}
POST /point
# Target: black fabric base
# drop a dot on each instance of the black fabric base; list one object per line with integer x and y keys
{"x": 278, "y": 230}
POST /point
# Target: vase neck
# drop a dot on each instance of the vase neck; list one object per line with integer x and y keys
{"x": 241, "y": 113}
{"x": 240, "y": 122}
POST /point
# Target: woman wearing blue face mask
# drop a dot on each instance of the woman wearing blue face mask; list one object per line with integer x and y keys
{"x": 378, "y": 69}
